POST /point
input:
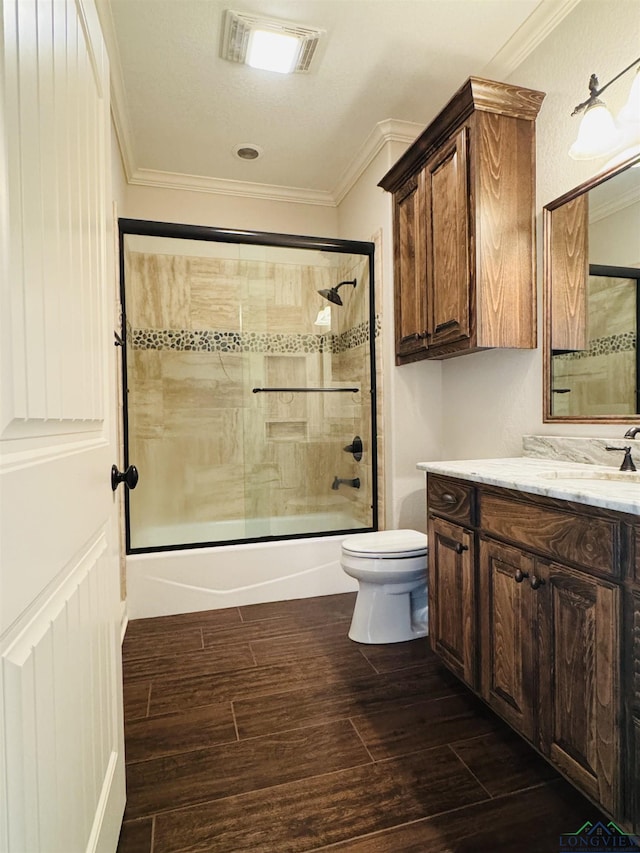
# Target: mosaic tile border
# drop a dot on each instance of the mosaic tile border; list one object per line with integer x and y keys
{"x": 207, "y": 340}
{"x": 623, "y": 342}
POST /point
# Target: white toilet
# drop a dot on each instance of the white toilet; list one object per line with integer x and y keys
{"x": 391, "y": 569}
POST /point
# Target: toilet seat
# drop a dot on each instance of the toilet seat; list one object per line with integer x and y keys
{"x": 386, "y": 544}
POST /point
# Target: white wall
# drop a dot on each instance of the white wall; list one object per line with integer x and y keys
{"x": 491, "y": 399}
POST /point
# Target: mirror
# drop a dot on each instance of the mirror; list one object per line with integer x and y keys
{"x": 592, "y": 300}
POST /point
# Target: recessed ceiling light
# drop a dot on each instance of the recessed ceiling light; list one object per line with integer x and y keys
{"x": 247, "y": 151}
{"x": 271, "y": 45}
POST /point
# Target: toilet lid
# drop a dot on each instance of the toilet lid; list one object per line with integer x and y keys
{"x": 387, "y": 543}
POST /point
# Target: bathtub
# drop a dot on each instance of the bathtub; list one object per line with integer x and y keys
{"x": 186, "y": 580}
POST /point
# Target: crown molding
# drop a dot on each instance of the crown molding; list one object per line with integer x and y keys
{"x": 540, "y": 23}
{"x": 613, "y": 205}
{"x": 389, "y": 130}
{"x": 222, "y": 186}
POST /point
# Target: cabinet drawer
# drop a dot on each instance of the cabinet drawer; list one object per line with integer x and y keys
{"x": 589, "y": 541}
{"x": 450, "y": 498}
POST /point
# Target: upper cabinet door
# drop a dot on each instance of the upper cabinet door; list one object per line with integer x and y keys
{"x": 410, "y": 289}
{"x": 447, "y": 223}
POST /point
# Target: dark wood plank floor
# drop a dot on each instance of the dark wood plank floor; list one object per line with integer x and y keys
{"x": 265, "y": 729}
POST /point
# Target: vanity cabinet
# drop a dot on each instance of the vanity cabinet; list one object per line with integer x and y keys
{"x": 464, "y": 233}
{"x": 552, "y": 626}
{"x": 551, "y": 662}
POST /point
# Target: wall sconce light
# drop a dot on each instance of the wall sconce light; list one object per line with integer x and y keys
{"x": 599, "y": 134}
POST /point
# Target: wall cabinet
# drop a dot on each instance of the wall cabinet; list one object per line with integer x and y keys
{"x": 464, "y": 233}
{"x": 548, "y": 594}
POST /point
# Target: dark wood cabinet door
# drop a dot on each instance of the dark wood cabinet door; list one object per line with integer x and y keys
{"x": 507, "y": 613}
{"x": 452, "y": 599}
{"x": 580, "y": 666}
{"x": 447, "y": 240}
{"x": 410, "y": 273}
{"x": 632, "y": 752}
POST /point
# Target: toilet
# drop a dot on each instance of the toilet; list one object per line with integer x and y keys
{"x": 391, "y": 569}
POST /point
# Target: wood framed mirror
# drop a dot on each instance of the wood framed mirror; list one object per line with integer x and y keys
{"x": 592, "y": 300}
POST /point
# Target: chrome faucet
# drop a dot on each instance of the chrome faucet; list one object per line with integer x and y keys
{"x": 632, "y": 432}
{"x": 627, "y": 462}
{"x": 338, "y": 481}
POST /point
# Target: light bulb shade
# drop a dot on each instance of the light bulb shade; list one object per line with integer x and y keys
{"x": 630, "y": 113}
{"x": 597, "y": 134}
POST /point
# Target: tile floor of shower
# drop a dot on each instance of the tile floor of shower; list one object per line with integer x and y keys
{"x": 264, "y": 728}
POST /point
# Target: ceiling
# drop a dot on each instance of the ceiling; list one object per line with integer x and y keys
{"x": 382, "y": 70}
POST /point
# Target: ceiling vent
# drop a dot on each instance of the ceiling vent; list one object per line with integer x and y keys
{"x": 239, "y": 26}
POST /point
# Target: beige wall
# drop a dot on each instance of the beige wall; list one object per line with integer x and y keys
{"x": 227, "y": 211}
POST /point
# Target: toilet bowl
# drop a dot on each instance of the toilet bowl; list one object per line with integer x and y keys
{"x": 391, "y": 569}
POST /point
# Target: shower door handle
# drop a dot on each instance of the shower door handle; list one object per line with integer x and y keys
{"x": 129, "y": 477}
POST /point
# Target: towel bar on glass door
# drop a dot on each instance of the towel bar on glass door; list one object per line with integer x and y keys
{"x": 306, "y": 390}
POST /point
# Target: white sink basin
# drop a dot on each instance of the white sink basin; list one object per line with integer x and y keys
{"x": 619, "y": 476}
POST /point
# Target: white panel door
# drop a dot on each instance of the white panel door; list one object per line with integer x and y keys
{"x": 61, "y": 731}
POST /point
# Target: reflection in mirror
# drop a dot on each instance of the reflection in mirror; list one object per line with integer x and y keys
{"x": 601, "y": 377}
{"x": 591, "y": 275}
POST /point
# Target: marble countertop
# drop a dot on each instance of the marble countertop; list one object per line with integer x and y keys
{"x": 570, "y": 481}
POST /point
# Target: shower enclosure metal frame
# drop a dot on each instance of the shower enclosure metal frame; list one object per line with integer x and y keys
{"x": 256, "y": 238}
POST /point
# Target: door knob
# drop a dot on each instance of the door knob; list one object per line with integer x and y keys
{"x": 129, "y": 477}
{"x": 536, "y": 582}
{"x": 520, "y": 575}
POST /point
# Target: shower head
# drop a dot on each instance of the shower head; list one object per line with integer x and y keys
{"x": 332, "y": 294}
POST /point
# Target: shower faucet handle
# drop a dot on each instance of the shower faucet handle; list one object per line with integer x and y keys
{"x": 355, "y": 448}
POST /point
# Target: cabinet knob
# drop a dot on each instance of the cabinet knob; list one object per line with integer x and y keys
{"x": 448, "y": 498}
{"x": 520, "y": 576}
{"x": 460, "y": 548}
{"x": 536, "y": 582}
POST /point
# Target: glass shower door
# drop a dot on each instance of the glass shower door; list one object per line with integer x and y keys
{"x": 245, "y": 385}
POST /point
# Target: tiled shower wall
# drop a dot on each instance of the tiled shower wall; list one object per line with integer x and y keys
{"x": 602, "y": 378}
{"x": 202, "y": 334}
